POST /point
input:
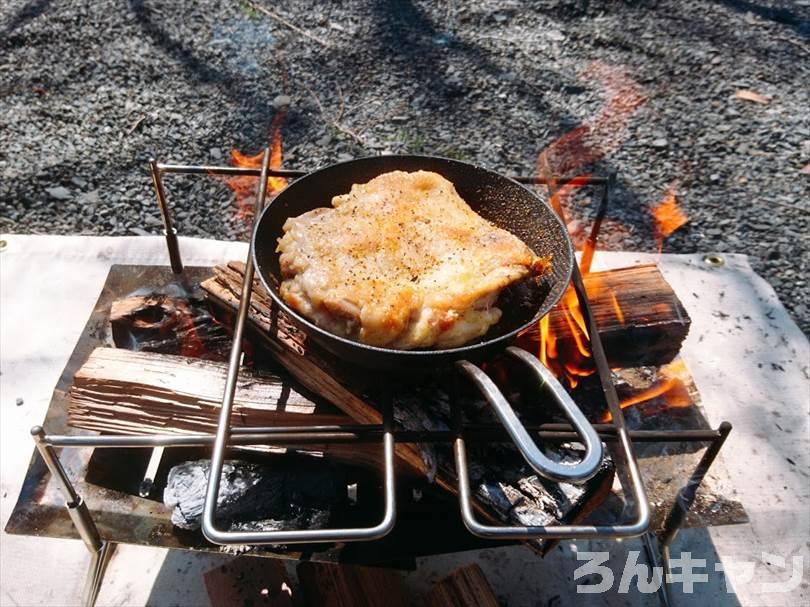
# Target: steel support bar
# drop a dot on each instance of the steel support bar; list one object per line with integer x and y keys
{"x": 680, "y": 508}
{"x": 95, "y": 573}
{"x": 287, "y": 436}
{"x": 79, "y": 515}
{"x": 169, "y": 232}
{"x": 187, "y": 169}
{"x": 73, "y": 501}
{"x": 590, "y": 245}
{"x": 631, "y": 477}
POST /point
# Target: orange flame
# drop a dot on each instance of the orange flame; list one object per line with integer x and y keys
{"x": 570, "y": 359}
{"x": 566, "y": 157}
{"x": 617, "y": 308}
{"x": 668, "y": 217}
{"x": 670, "y": 387}
{"x": 191, "y": 345}
{"x": 244, "y": 186}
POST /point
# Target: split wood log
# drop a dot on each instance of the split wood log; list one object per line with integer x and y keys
{"x": 640, "y": 318}
{"x": 465, "y": 587}
{"x": 124, "y": 392}
{"x": 328, "y": 585}
{"x": 160, "y": 391}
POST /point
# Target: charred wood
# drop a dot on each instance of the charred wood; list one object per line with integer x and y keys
{"x": 172, "y": 322}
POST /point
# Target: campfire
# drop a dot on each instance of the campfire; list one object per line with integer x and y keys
{"x": 641, "y": 324}
{"x": 305, "y": 431}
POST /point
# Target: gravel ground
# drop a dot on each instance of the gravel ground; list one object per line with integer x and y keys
{"x": 89, "y": 91}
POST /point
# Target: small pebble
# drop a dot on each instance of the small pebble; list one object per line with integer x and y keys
{"x": 59, "y": 193}
{"x": 19, "y": 402}
{"x": 281, "y": 102}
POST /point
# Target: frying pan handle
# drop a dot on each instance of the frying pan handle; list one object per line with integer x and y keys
{"x": 544, "y": 466}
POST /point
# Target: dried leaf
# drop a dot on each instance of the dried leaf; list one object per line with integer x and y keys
{"x": 805, "y": 169}
{"x": 748, "y": 95}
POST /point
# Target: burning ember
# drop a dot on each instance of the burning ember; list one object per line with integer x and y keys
{"x": 173, "y": 321}
{"x": 668, "y": 217}
{"x": 670, "y": 388}
{"x": 243, "y": 186}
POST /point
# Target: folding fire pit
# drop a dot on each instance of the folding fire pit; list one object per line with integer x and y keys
{"x": 422, "y": 522}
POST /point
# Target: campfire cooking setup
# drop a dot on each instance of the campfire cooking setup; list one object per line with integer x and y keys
{"x": 516, "y": 315}
{"x": 572, "y": 417}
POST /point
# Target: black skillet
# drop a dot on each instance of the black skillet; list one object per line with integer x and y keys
{"x": 506, "y": 204}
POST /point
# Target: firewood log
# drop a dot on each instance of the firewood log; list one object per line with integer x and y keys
{"x": 465, "y": 587}
{"x": 123, "y": 392}
{"x": 327, "y": 585}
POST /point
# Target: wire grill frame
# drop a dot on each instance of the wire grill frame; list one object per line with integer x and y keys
{"x": 615, "y": 432}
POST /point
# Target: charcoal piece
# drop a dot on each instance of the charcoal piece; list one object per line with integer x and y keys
{"x": 520, "y": 497}
{"x": 290, "y": 494}
{"x": 423, "y": 406}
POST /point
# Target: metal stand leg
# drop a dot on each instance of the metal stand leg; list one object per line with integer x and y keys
{"x": 95, "y": 574}
{"x": 169, "y": 231}
{"x": 654, "y": 559}
{"x": 686, "y": 496}
{"x": 685, "y": 499}
{"x": 100, "y": 551}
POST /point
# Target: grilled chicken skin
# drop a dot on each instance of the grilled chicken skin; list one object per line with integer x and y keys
{"x": 400, "y": 262}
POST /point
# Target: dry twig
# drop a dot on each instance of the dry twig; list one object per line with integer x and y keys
{"x": 748, "y": 95}
{"x": 292, "y": 26}
{"x": 336, "y": 121}
{"x": 135, "y": 125}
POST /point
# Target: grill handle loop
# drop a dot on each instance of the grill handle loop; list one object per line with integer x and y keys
{"x": 543, "y": 465}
